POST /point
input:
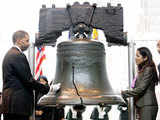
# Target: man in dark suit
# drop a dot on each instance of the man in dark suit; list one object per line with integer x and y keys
{"x": 18, "y": 82}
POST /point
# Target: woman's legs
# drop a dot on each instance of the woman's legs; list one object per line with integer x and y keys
{"x": 148, "y": 112}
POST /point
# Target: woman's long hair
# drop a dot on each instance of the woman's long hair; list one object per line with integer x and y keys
{"x": 145, "y": 52}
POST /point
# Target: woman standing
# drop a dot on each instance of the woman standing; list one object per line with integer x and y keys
{"x": 144, "y": 88}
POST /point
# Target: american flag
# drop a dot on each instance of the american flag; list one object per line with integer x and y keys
{"x": 40, "y": 57}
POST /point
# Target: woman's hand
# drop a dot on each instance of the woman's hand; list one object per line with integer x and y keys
{"x": 123, "y": 93}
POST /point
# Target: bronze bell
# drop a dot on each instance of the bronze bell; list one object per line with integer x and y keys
{"x": 81, "y": 70}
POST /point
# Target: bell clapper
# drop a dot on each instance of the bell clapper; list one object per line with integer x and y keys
{"x": 80, "y": 108}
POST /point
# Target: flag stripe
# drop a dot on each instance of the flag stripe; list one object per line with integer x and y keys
{"x": 37, "y": 56}
{"x": 40, "y": 56}
{"x": 38, "y": 74}
{"x": 40, "y": 51}
{"x": 39, "y": 63}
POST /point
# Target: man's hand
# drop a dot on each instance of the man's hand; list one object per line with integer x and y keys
{"x": 55, "y": 88}
{"x": 39, "y": 112}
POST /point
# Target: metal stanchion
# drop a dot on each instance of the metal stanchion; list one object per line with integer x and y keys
{"x": 31, "y": 59}
{"x": 131, "y": 68}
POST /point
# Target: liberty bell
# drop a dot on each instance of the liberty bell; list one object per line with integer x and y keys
{"x": 81, "y": 70}
{"x": 81, "y": 64}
